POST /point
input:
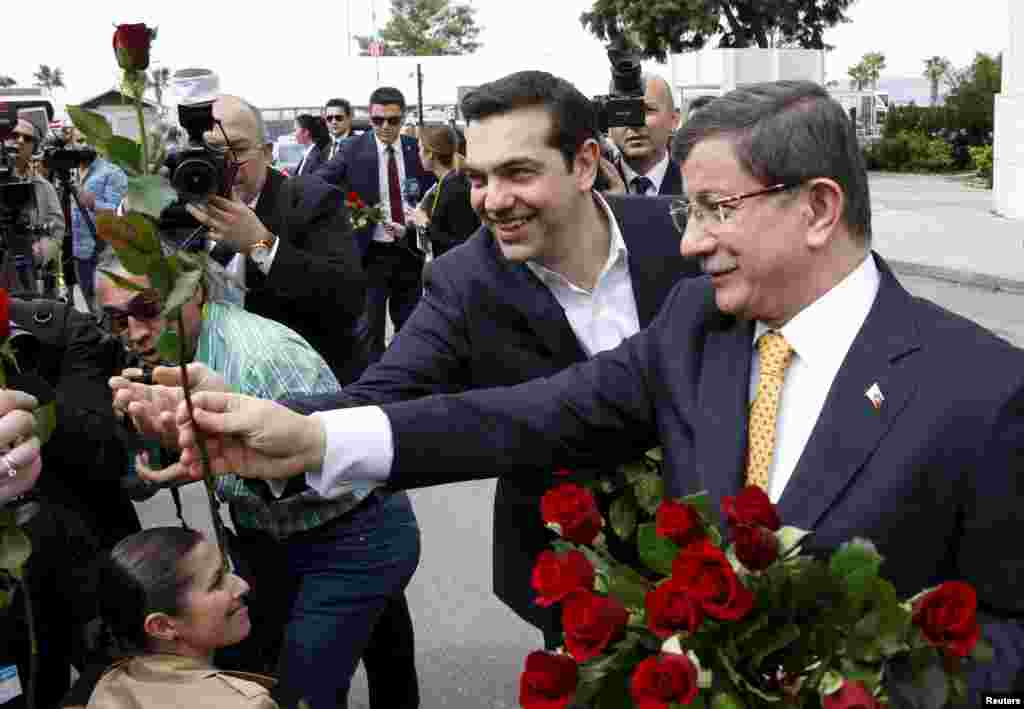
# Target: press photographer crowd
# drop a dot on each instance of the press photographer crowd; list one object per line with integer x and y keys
{"x": 602, "y": 267}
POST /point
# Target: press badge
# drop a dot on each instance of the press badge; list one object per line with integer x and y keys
{"x": 10, "y": 684}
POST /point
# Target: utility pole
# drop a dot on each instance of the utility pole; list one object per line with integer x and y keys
{"x": 373, "y": 21}
{"x": 419, "y": 91}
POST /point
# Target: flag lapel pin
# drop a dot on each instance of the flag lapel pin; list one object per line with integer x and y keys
{"x": 874, "y": 395}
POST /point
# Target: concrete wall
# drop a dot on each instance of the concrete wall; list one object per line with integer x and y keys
{"x": 124, "y": 121}
{"x": 1008, "y": 170}
{"x": 722, "y": 70}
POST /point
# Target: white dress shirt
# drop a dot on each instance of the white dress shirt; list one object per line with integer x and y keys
{"x": 820, "y": 335}
{"x": 302, "y": 163}
{"x": 379, "y": 234}
{"x": 359, "y": 440}
{"x": 656, "y": 175}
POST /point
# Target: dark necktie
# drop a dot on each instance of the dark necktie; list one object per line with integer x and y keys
{"x": 394, "y": 191}
{"x": 641, "y": 184}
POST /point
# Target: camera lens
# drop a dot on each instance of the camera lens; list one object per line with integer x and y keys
{"x": 196, "y": 177}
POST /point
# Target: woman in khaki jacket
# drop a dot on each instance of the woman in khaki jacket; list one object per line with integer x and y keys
{"x": 166, "y": 598}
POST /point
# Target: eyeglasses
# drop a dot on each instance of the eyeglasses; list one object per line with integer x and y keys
{"x": 381, "y": 120}
{"x": 330, "y": 117}
{"x": 683, "y": 211}
{"x": 144, "y": 306}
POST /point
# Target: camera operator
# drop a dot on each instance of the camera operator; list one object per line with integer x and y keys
{"x": 103, "y": 186}
{"x": 43, "y": 212}
{"x": 644, "y": 161}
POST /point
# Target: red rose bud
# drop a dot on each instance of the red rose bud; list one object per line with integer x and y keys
{"x": 131, "y": 46}
{"x": 5, "y": 314}
{"x": 548, "y": 682}
{"x": 659, "y": 682}
{"x": 590, "y": 623}
{"x": 751, "y": 506}
{"x": 556, "y": 576}
{"x": 756, "y": 547}
{"x": 947, "y": 617}
{"x": 671, "y": 610}
{"x": 706, "y": 574}
{"x": 852, "y": 695}
{"x": 679, "y": 522}
{"x": 574, "y": 510}
{"x": 354, "y": 196}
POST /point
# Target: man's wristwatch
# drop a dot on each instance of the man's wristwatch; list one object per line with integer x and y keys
{"x": 261, "y": 250}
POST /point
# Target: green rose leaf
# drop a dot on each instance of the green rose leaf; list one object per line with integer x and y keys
{"x": 167, "y": 346}
{"x": 185, "y": 286}
{"x": 634, "y": 470}
{"x": 135, "y": 261}
{"x": 145, "y": 228}
{"x": 778, "y": 639}
{"x": 149, "y": 195}
{"x": 628, "y": 586}
{"x": 46, "y": 421}
{"x": 124, "y": 152}
{"x": 725, "y": 700}
{"x": 94, "y": 126}
{"x": 701, "y": 501}
{"x": 656, "y": 552}
{"x": 15, "y": 549}
{"x": 5, "y": 598}
{"x": 122, "y": 282}
{"x": 855, "y": 564}
{"x": 649, "y": 488}
{"x": 982, "y": 651}
{"x": 623, "y": 516}
{"x": 655, "y": 455}
{"x": 790, "y": 538}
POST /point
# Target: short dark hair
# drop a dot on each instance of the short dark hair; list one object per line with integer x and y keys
{"x": 387, "y": 95}
{"x": 573, "y": 120}
{"x": 787, "y": 132}
{"x": 143, "y": 575}
{"x": 316, "y": 127}
{"x": 341, "y": 103}
{"x": 700, "y": 102}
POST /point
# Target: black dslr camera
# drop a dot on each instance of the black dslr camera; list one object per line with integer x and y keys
{"x": 58, "y": 157}
{"x": 201, "y": 169}
{"x": 625, "y": 105}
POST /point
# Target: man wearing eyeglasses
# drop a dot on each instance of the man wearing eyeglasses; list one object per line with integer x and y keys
{"x": 43, "y": 211}
{"x": 379, "y": 166}
{"x": 338, "y": 116}
{"x": 799, "y": 365}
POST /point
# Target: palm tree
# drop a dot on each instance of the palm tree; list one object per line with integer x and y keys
{"x": 6, "y": 81}
{"x": 49, "y": 79}
{"x": 159, "y": 80}
{"x": 935, "y": 69}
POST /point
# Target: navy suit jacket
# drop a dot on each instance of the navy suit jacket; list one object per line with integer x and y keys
{"x": 934, "y": 477}
{"x": 311, "y": 163}
{"x": 483, "y": 322}
{"x": 671, "y": 185}
{"x": 357, "y": 168}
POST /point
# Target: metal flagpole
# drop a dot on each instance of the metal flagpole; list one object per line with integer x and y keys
{"x": 373, "y": 21}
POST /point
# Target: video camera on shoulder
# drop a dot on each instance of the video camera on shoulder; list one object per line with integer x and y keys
{"x": 58, "y": 157}
{"x": 625, "y": 105}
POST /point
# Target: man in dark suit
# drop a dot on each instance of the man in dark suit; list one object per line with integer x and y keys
{"x": 290, "y": 242}
{"x": 644, "y": 163}
{"x": 311, "y": 132}
{"x": 380, "y": 166}
{"x": 338, "y": 116}
{"x": 870, "y": 432}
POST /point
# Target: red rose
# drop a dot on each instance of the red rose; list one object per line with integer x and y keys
{"x": 353, "y": 196}
{"x": 751, "y": 506}
{"x": 659, "y": 682}
{"x": 852, "y": 695}
{"x": 548, "y": 682}
{"x": 679, "y": 522}
{"x": 591, "y": 623}
{"x": 131, "y": 46}
{"x": 556, "y": 576}
{"x": 574, "y": 510}
{"x": 5, "y": 314}
{"x": 756, "y": 547}
{"x": 947, "y": 617}
{"x": 670, "y": 610}
{"x": 707, "y": 576}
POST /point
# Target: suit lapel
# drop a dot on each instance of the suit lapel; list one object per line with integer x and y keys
{"x": 672, "y": 185}
{"x": 849, "y": 428}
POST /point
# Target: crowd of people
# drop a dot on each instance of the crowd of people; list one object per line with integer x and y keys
{"x": 560, "y": 299}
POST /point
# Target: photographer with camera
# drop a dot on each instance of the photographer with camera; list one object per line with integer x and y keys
{"x": 644, "y": 161}
{"x": 40, "y": 224}
{"x": 103, "y": 186}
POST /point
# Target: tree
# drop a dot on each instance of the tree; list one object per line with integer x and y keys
{"x": 159, "y": 80}
{"x": 972, "y": 96}
{"x": 867, "y": 72}
{"x": 427, "y": 27}
{"x": 935, "y": 69}
{"x": 658, "y": 28}
{"x": 6, "y": 81}
{"x": 49, "y": 79}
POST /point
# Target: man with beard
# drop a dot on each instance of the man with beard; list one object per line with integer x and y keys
{"x": 645, "y": 164}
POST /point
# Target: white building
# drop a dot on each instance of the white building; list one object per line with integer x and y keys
{"x": 1008, "y": 169}
{"x": 119, "y": 109}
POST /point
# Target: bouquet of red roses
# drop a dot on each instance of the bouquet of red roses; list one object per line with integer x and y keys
{"x": 693, "y": 621}
{"x": 363, "y": 216}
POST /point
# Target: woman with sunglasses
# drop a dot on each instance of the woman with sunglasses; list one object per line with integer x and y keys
{"x": 168, "y": 601}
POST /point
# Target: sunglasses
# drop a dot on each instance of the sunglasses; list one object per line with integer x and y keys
{"x": 330, "y": 117}
{"x": 144, "y": 306}
{"x": 381, "y": 120}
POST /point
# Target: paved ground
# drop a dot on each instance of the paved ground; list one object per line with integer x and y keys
{"x": 470, "y": 648}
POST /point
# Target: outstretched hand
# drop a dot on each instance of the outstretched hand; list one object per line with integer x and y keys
{"x": 252, "y": 437}
{"x": 18, "y": 444}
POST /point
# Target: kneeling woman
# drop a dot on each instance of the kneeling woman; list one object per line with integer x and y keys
{"x": 169, "y": 602}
